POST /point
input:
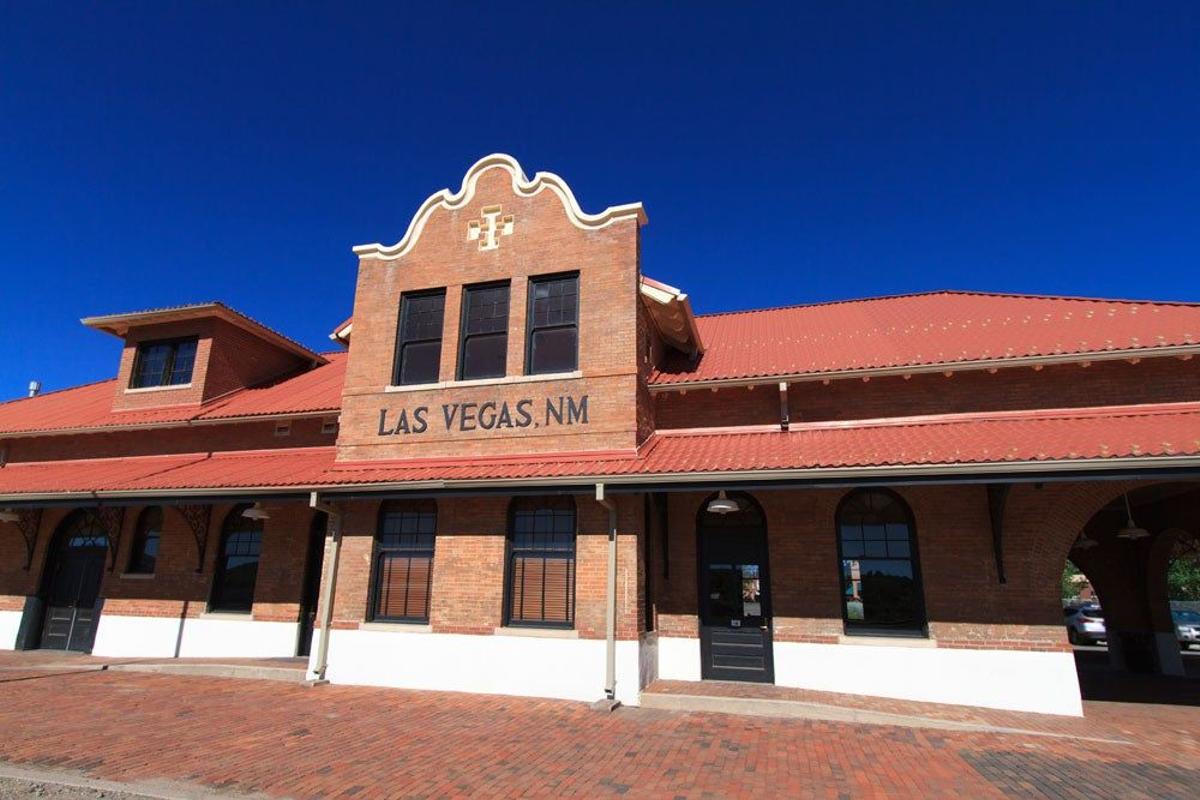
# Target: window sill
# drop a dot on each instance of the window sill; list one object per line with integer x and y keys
{"x": 396, "y": 627}
{"x": 887, "y": 641}
{"x": 143, "y": 389}
{"x": 538, "y": 633}
{"x": 137, "y": 576}
{"x": 508, "y": 379}
{"x": 242, "y": 616}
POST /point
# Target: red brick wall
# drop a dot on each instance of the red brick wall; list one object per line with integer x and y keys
{"x": 544, "y": 241}
{"x": 251, "y": 435}
{"x": 1154, "y": 380}
{"x": 469, "y": 563}
{"x": 176, "y": 587}
{"x": 227, "y": 358}
{"x": 966, "y": 605}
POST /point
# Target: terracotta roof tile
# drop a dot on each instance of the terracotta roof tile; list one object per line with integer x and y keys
{"x": 90, "y": 406}
{"x": 1147, "y": 431}
{"x": 924, "y": 329}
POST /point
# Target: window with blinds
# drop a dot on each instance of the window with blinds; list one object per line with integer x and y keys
{"x": 541, "y": 564}
{"x": 483, "y": 349}
{"x": 404, "y": 561}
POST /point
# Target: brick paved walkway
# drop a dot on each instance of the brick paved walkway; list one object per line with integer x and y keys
{"x": 288, "y": 740}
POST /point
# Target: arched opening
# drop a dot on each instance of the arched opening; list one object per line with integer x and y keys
{"x": 237, "y": 563}
{"x": 71, "y": 583}
{"x": 878, "y": 564}
{"x": 734, "y": 589}
{"x": 1142, "y": 565}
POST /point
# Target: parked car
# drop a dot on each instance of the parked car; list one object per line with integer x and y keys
{"x": 1085, "y": 624}
{"x": 1187, "y": 628}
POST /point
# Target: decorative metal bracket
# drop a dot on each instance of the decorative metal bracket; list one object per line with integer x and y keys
{"x": 997, "y": 494}
{"x": 29, "y": 524}
{"x": 112, "y": 520}
{"x": 198, "y": 518}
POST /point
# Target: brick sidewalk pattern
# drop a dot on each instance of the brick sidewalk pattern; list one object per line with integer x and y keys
{"x": 341, "y": 741}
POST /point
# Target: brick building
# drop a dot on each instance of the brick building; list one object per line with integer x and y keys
{"x": 530, "y": 469}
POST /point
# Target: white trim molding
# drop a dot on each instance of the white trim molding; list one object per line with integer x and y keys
{"x": 522, "y": 187}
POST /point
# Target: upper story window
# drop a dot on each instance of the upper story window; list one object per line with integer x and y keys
{"x": 143, "y": 556}
{"x": 163, "y": 363}
{"x": 552, "y": 342}
{"x": 881, "y": 576}
{"x": 483, "y": 350}
{"x": 419, "y": 342}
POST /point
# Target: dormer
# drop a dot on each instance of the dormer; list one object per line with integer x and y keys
{"x": 190, "y": 355}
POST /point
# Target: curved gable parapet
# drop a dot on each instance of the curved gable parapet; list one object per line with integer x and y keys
{"x": 522, "y": 187}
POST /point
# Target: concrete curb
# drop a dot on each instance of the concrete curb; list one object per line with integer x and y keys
{"x": 156, "y": 789}
{"x": 283, "y": 674}
{"x": 797, "y": 709}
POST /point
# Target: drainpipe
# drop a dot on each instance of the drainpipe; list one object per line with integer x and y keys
{"x": 610, "y": 617}
{"x": 335, "y": 533}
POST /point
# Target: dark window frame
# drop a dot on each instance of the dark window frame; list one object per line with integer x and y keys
{"x": 380, "y": 551}
{"x": 141, "y": 537}
{"x": 234, "y": 524}
{"x": 511, "y": 553}
{"x": 463, "y": 336}
{"x": 862, "y": 628}
{"x": 531, "y": 328}
{"x": 401, "y": 342}
{"x": 168, "y": 369}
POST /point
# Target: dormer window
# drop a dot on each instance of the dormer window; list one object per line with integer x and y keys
{"x": 163, "y": 363}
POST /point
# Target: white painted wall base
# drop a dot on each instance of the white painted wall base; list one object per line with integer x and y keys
{"x": 528, "y": 666}
{"x": 148, "y": 637}
{"x": 1015, "y": 680}
{"x": 205, "y": 637}
{"x": 10, "y": 622}
{"x": 678, "y": 658}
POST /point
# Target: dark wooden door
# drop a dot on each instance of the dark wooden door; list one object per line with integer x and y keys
{"x": 735, "y": 603}
{"x": 312, "y": 584}
{"x": 72, "y": 592}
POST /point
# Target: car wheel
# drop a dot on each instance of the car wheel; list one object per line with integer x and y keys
{"x": 1072, "y": 636}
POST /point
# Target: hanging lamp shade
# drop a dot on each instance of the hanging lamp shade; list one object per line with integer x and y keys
{"x": 256, "y": 511}
{"x": 1131, "y": 531}
{"x": 722, "y": 504}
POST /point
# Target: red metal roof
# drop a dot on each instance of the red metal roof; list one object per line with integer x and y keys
{"x": 90, "y": 406}
{"x": 924, "y": 329}
{"x": 1149, "y": 432}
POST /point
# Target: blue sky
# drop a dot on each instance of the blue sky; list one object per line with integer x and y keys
{"x": 162, "y": 153}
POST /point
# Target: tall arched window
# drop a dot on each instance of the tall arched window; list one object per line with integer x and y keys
{"x": 540, "y": 577}
{"x": 880, "y": 573}
{"x": 143, "y": 556}
{"x": 403, "y": 569}
{"x": 237, "y": 563}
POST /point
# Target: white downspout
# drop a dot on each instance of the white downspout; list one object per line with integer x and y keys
{"x": 327, "y": 594}
{"x": 610, "y": 618}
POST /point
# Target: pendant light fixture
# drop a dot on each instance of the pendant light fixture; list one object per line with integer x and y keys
{"x": 722, "y": 504}
{"x": 256, "y": 511}
{"x": 1131, "y": 531}
{"x": 8, "y": 515}
{"x": 1084, "y": 542}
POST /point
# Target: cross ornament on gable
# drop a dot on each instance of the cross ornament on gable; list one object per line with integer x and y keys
{"x": 490, "y": 227}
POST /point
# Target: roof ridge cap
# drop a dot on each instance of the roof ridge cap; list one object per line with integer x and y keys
{"x": 956, "y": 292}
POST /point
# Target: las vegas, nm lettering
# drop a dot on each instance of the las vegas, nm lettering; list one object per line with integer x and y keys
{"x": 491, "y": 415}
